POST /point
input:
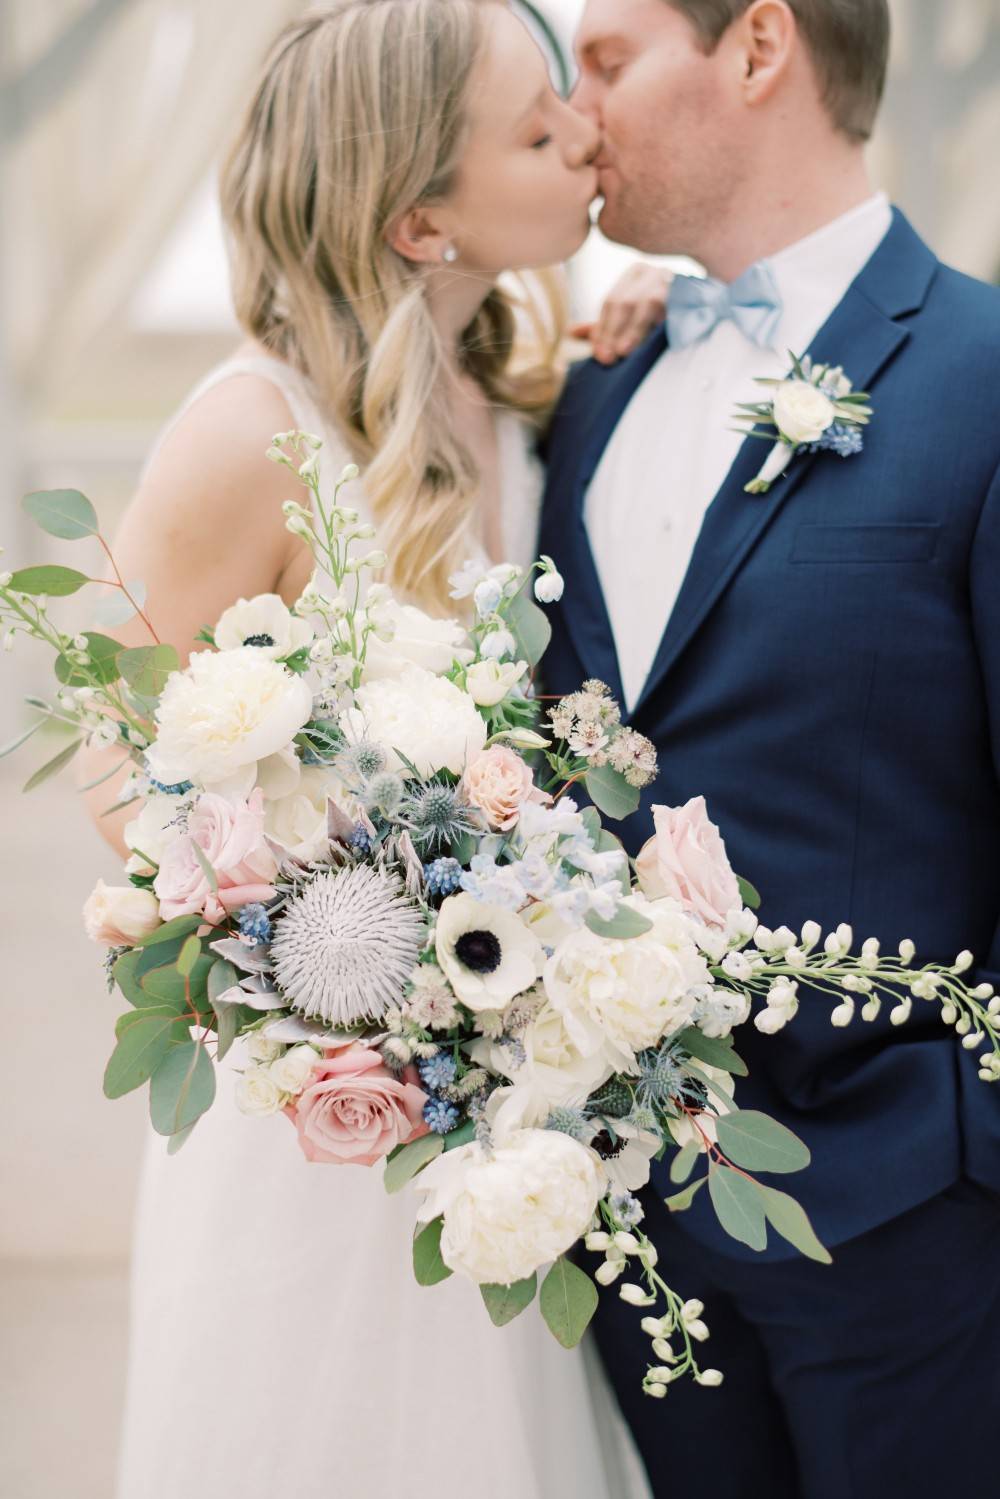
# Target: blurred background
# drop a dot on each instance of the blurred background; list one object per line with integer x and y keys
{"x": 113, "y": 302}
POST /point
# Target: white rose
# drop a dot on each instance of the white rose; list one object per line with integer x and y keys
{"x": 418, "y": 640}
{"x": 488, "y": 682}
{"x": 261, "y": 1048}
{"x": 120, "y": 915}
{"x": 266, "y": 623}
{"x": 619, "y": 996}
{"x": 152, "y": 832}
{"x": 292, "y": 1071}
{"x": 801, "y": 411}
{"x": 520, "y": 1207}
{"x": 225, "y": 712}
{"x": 298, "y": 821}
{"x": 430, "y": 720}
{"x": 258, "y": 1094}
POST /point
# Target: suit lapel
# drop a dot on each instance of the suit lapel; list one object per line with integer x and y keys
{"x": 862, "y": 335}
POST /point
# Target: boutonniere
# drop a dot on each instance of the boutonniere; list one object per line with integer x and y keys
{"x": 812, "y": 408}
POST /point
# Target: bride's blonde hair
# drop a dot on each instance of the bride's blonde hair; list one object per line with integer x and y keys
{"x": 359, "y": 116}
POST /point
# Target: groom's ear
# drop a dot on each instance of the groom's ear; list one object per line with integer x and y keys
{"x": 417, "y": 236}
{"x": 766, "y": 41}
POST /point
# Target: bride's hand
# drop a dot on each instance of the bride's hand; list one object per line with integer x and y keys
{"x": 632, "y": 308}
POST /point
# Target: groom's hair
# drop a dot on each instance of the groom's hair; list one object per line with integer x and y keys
{"x": 848, "y": 41}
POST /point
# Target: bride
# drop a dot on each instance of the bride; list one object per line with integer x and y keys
{"x": 397, "y": 157}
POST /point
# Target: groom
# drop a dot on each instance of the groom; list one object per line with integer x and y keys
{"x": 822, "y": 662}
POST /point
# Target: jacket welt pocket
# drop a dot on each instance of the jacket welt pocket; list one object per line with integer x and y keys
{"x": 906, "y": 541}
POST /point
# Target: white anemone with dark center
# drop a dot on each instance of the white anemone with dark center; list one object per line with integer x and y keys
{"x": 345, "y": 947}
{"x": 486, "y": 952}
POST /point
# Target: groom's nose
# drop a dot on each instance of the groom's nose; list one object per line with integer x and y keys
{"x": 586, "y": 142}
{"x": 585, "y": 100}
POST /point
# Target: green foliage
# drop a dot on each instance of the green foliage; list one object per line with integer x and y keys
{"x": 142, "y": 1046}
{"x": 147, "y": 667}
{"x": 568, "y": 1300}
{"x": 504, "y": 1303}
{"x": 103, "y": 667}
{"x": 609, "y": 791}
{"x": 716, "y": 1051}
{"x": 759, "y": 1143}
{"x": 791, "y": 1221}
{"x": 182, "y": 1087}
{"x": 53, "y": 766}
{"x": 178, "y": 926}
{"x": 683, "y": 1199}
{"x": 738, "y": 1206}
{"x": 428, "y": 1266}
{"x": 625, "y": 923}
{"x": 404, "y": 1163}
{"x": 65, "y": 513}
{"x": 529, "y": 626}
{"x": 683, "y": 1163}
{"x": 749, "y": 894}
{"x": 57, "y": 582}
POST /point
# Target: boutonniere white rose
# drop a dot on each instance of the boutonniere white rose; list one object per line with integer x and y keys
{"x": 813, "y": 407}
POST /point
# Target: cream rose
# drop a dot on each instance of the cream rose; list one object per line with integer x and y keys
{"x": 499, "y": 782}
{"x": 298, "y": 821}
{"x": 417, "y": 640}
{"x": 488, "y": 682}
{"x": 120, "y": 915}
{"x": 225, "y": 712}
{"x": 801, "y": 411}
{"x": 293, "y": 1070}
{"x": 426, "y": 718}
{"x": 258, "y": 1095}
{"x": 509, "y": 1212}
{"x": 686, "y": 860}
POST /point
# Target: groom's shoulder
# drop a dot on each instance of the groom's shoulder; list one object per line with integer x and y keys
{"x": 589, "y": 386}
{"x": 963, "y": 314}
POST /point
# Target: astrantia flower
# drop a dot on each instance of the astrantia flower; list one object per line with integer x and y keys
{"x": 264, "y": 622}
{"x": 431, "y": 1005}
{"x": 344, "y": 948}
{"x": 426, "y": 718}
{"x": 487, "y": 953}
{"x": 225, "y": 712}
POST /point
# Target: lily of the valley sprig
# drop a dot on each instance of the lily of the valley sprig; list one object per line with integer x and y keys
{"x": 813, "y": 408}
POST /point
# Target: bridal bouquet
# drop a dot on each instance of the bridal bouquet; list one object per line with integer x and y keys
{"x": 356, "y": 849}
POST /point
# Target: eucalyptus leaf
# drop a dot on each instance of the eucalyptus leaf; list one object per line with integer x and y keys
{"x": 176, "y": 1141}
{"x": 791, "y": 1221}
{"x": 147, "y": 667}
{"x": 404, "y": 1164}
{"x": 168, "y": 985}
{"x": 683, "y": 1199}
{"x": 428, "y": 1266}
{"x": 178, "y": 926}
{"x": 189, "y": 955}
{"x": 181, "y": 1088}
{"x": 749, "y": 894}
{"x": 568, "y": 1300}
{"x": 683, "y": 1163}
{"x": 127, "y": 979}
{"x": 103, "y": 667}
{"x": 504, "y": 1303}
{"x": 221, "y": 976}
{"x": 62, "y": 512}
{"x": 738, "y": 1206}
{"x": 760, "y": 1143}
{"x": 151, "y": 1012}
{"x": 116, "y": 608}
{"x": 53, "y": 766}
{"x": 227, "y": 1027}
{"x": 141, "y": 1048}
{"x": 463, "y": 1135}
{"x": 8, "y": 749}
{"x": 160, "y": 955}
{"x": 611, "y": 793}
{"x": 55, "y": 581}
{"x": 624, "y": 924}
{"x": 529, "y": 626}
{"x": 717, "y": 1051}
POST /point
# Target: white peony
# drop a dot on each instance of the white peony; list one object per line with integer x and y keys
{"x": 619, "y": 996}
{"x": 426, "y": 718}
{"x": 801, "y": 411}
{"x": 486, "y": 952}
{"x": 222, "y": 714}
{"x": 554, "y": 1073}
{"x": 152, "y": 832}
{"x": 257, "y": 1094}
{"x": 519, "y": 1207}
{"x": 264, "y": 622}
{"x": 298, "y": 821}
{"x": 417, "y": 640}
{"x": 489, "y": 682}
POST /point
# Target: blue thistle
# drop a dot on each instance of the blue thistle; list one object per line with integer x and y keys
{"x": 437, "y": 1072}
{"x": 573, "y": 1122}
{"x": 435, "y": 816}
{"x": 255, "y": 924}
{"x": 443, "y": 876}
{"x": 440, "y": 1116}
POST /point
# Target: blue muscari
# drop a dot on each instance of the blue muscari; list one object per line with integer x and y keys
{"x": 840, "y": 438}
{"x": 361, "y": 839}
{"x": 440, "y": 1116}
{"x": 437, "y": 1072}
{"x": 180, "y": 788}
{"x": 255, "y": 924}
{"x": 443, "y": 876}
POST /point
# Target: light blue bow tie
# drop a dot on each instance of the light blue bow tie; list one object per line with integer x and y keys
{"x": 697, "y": 303}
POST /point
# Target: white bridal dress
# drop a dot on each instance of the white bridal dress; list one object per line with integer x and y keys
{"x": 280, "y": 1345}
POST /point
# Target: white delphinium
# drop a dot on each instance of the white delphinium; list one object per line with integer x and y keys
{"x": 782, "y": 1003}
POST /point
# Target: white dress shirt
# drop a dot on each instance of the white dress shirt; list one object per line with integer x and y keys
{"x": 674, "y": 444}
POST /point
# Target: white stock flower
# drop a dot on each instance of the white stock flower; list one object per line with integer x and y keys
{"x": 486, "y": 952}
{"x": 488, "y": 682}
{"x": 619, "y": 996}
{"x": 417, "y": 640}
{"x": 258, "y": 1094}
{"x": 509, "y": 1212}
{"x": 291, "y": 1072}
{"x": 298, "y": 821}
{"x": 802, "y": 412}
{"x": 222, "y": 714}
{"x": 427, "y": 718}
{"x": 264, "y": 622}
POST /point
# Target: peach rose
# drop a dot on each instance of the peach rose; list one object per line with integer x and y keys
{"x": 498, "y": 782}
{"x": 231, "y": 838}
{"x": 686, "y": 859}
{"x": 354, "y": 1111}
{"x": 120, "y": 914}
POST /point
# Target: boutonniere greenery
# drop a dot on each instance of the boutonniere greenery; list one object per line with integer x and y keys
{"x": 813, "y": 407}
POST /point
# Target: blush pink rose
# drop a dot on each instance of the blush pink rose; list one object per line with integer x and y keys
{"x": 231, "y": 838}
{"x": 686, "y": 859}
{"x": 354, "y": 1111}
{"x": 498, "y": 782}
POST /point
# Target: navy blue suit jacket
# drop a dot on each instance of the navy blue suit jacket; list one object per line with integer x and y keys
{"x": 829, "y": 679}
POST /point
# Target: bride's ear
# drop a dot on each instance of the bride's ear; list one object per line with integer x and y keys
{"x": 417, "y": 236}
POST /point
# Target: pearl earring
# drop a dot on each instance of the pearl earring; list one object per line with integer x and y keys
{"x": 449, "y": 254}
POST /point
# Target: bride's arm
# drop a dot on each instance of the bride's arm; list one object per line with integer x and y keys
{"x": 204, "y": 528}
